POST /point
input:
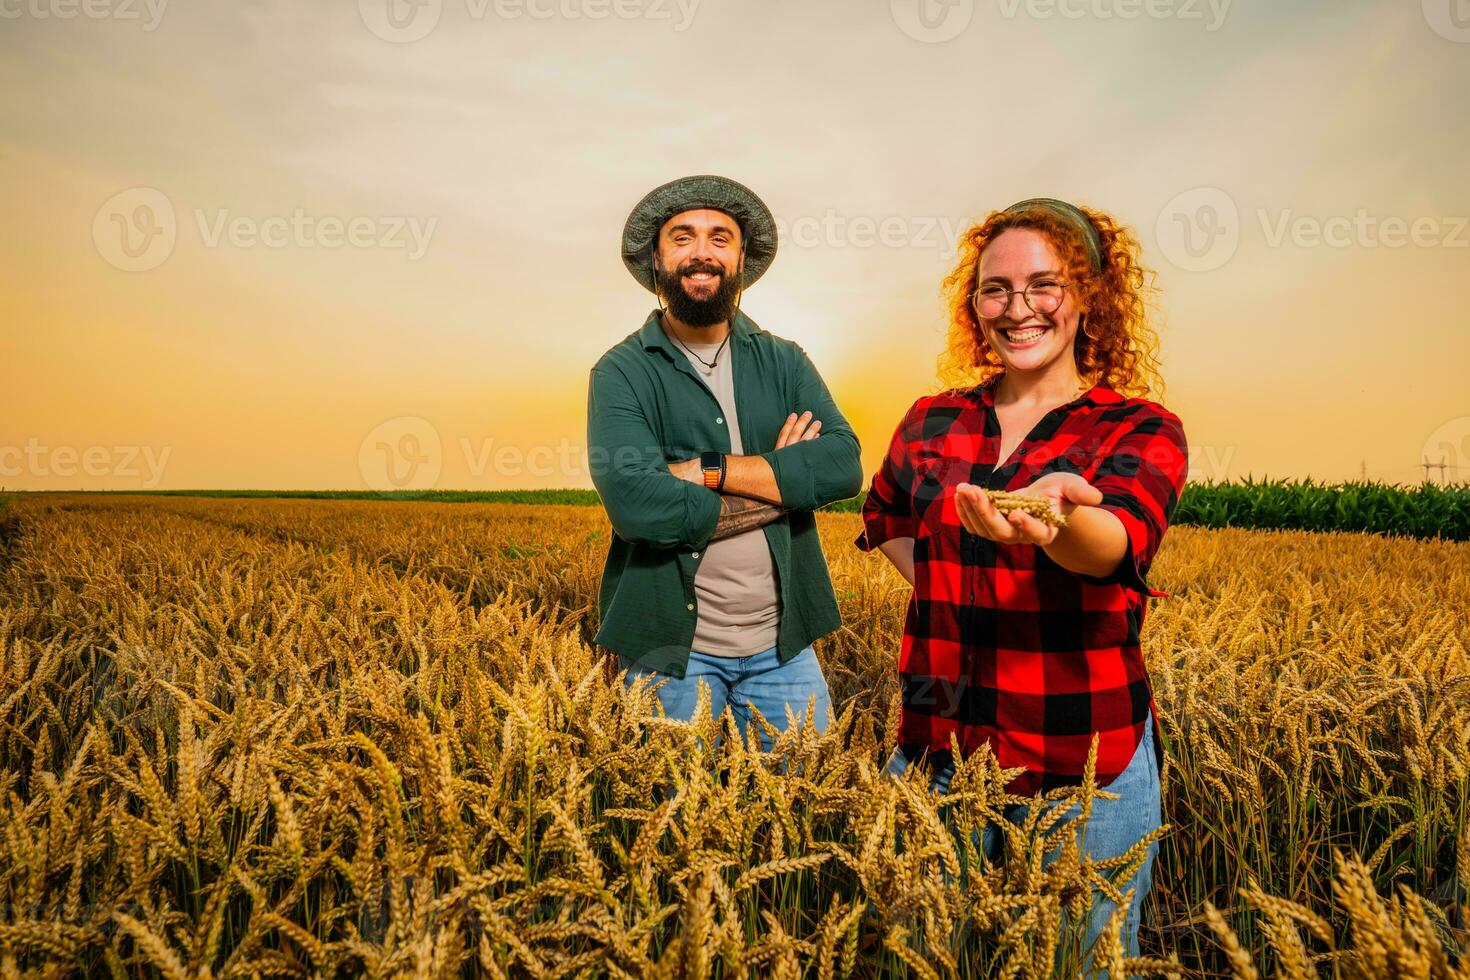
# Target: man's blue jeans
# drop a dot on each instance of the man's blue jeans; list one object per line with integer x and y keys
{"x": 759, "y": 680}
{"x": 1115, "y": 826}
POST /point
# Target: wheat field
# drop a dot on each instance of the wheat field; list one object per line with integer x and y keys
{"x": 315, "y": 737}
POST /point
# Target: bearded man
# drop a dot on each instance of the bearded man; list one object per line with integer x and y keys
{"x": 711, "y": 443}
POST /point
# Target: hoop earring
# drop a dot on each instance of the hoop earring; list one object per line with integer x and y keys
{"x": 1082, "y": 325}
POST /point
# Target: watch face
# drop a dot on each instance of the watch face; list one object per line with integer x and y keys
{"x": 709, "y": 460}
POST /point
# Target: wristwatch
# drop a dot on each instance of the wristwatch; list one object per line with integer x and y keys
{"x": 712, "y": 465}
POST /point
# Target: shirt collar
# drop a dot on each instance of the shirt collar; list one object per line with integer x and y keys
{"x": 652, "y": 334}
{"x": 1096, "y": 395}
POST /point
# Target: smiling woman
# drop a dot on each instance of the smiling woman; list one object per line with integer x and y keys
{"x": 1024, "y": 633}
{"x": 1119, "y": 347}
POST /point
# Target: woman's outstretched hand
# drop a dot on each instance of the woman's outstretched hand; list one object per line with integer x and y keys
{"x": 1065, "y": 491}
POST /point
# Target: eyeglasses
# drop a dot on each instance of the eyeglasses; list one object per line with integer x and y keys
{"x": 1042, "y": 296}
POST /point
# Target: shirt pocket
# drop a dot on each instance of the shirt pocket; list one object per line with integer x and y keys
{"x": 689, "y": 428}
{"x": 1081, "y": 459}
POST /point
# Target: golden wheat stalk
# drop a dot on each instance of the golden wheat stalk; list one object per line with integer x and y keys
{"x": 1040, "y": 508}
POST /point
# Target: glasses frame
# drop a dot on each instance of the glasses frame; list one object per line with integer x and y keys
{"x": 975, "y": 298}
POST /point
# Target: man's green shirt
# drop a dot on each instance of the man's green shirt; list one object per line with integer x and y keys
{"x": 646, "y": 408}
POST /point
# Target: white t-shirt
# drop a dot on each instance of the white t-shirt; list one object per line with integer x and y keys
{"x": 735, "y": 584}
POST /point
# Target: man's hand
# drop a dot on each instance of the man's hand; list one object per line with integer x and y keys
{"x": 1066, "y": 491}
{"x": 798, "y": 428}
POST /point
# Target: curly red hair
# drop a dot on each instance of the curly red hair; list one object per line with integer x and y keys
{"x": 1124, "y": 354}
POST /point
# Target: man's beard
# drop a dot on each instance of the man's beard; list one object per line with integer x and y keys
{"x": 716, "y": 308}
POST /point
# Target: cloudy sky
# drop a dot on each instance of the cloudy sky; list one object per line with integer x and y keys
{"x": 272, "y": 244}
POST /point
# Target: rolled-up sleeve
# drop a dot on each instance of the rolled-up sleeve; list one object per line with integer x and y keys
{"x": 817, "y": 471}
{"x": 645, "y": 502}
{"x": 1141, "y": 480}
{"x": 888, "y": 509}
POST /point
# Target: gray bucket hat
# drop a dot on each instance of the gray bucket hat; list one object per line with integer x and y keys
{"x": 757, "y": 226}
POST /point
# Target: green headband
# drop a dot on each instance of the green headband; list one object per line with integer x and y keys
{"x": 1073, "y": 216}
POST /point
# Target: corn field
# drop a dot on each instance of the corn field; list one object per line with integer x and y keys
{"x": 319, "y": 737}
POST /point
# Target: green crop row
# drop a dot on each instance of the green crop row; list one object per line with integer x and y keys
{"x": 1425, "y": 511}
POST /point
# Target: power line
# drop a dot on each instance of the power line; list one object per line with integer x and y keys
{"x": 1431, "y": 466}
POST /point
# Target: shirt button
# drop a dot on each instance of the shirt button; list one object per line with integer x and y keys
{"x": 720, "y": 421}
{"x": 690, "y": 607}
{"x": 694, "y": 554}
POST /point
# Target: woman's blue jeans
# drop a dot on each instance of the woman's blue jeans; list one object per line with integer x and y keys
{"x": 759, "y": 680}
{"x": 1115, "y": 826}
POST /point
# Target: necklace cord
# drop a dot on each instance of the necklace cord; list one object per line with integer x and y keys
{"x": 709, "y": 364}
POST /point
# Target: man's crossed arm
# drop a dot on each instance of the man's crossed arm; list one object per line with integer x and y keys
{"x": 751, "y": 497}
{"x": 644, "y": 504}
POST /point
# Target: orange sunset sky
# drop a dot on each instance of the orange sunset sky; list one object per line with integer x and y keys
{"x": 247, "y": 244}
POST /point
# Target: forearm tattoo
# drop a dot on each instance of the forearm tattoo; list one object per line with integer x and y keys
{"x": 741, "y": 514}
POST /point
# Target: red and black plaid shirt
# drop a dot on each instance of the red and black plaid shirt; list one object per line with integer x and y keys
{"x": 1001, "y": 644}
